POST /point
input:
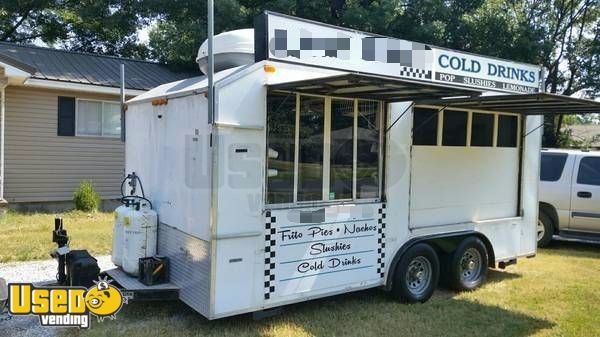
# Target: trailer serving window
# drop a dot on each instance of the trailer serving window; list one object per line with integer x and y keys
{"x": 438, "y": 126}
{"x": 322, "y": 149}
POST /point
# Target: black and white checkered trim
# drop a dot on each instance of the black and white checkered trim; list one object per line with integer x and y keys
{"x": 270, "y": 237}
{"x": 381, "y": 241}
{"x": 415, "y": 73}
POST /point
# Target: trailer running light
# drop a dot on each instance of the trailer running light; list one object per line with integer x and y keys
{"x": 160, "y": 101}
{"x": 269, "y": 68}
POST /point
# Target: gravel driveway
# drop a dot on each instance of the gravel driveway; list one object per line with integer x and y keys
{"x": 35, "y": 272}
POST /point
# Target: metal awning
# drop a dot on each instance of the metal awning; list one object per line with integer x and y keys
{"x": 528, "y": 104}
{"x": 358, "y": 85}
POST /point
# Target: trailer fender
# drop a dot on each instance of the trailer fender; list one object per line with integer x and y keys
{"x": 430, "y": 239}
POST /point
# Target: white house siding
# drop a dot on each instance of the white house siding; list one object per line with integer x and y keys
{"x": 41, "y": 166}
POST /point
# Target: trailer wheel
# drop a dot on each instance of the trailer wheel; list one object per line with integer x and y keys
{"x": 417, "y": 274}
{"x": 468, "y": 265}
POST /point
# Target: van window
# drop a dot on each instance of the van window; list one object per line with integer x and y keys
{"x": 552, "y": 166}
{"x": 425, "y": 126}
{"x": 482, "y": 129}
{"x": 281, "y": 124}
{"x": 341, "y": 149}
{"x": 589, "y": 171}
{"x": 310, "y": 150}
{"x": 454, "y": 131}
{"x": 507, "y": 131}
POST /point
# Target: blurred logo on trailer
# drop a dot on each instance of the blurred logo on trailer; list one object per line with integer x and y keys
{"x": 63, "y": 306}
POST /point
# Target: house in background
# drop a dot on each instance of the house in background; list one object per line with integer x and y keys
{"x": 587, "y": 133}
{"x": 60, "y": 122}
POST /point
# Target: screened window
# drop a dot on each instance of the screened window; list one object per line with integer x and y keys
{"x": 425, "y": 125}
{"x": 454, "y": 131}
{"x": 281, "y": 125}
{"x": 310, "y": 150}
{"x": 552, "y": 166}
{"x": 321, "y": 149}
{"x": 341, "y": 149}
{"x": 97, "y": 118}
{"x": 507, "y": 131}
{"x": 589, "y": 171}
{"x": 482, "y": 129}
{"x": 367, "y": 166}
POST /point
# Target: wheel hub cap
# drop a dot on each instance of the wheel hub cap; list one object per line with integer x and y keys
{"x": 541, "y": 230}
{"x": 418, "y": 275}
{"x": 471, "y": 265}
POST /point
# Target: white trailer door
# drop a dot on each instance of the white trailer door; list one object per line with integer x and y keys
{"x": 585, "y": 195}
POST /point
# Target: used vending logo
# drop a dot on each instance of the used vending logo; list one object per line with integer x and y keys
{"x": 66, "y": 306}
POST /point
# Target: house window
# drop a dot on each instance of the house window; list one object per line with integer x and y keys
{"x": 454, "y": 131}
{"x": 425, "y": 126}
{"x": 98, "y": 118}
{"x": 322, "y": 148}
{"x": 482, "y": 130}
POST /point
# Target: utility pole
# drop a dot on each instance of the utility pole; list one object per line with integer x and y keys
{"x": 211, "y": 90}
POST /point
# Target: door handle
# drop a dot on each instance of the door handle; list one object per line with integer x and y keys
{"x": 584, "y": 194}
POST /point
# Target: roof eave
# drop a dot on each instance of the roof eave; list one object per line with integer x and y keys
{"x": 72, "y": 86}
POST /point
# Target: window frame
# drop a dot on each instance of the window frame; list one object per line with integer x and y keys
{"x": 102, "y": 135}
{"x": 327, "y": 153}
{"x": 440, "y": 126}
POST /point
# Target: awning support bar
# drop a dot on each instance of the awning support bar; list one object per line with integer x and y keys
{"x": 428, "y": 119}
{"x": 532, "y": 131}
{"x": 402, "y": 114}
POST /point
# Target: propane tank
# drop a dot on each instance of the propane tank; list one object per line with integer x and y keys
{"x": 140, "y": 225}
{"x": 117, "y": 243}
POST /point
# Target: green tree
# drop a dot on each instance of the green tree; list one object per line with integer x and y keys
{"x": 98, "y": 26}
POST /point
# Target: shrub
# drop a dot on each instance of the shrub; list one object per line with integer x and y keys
{"x": 86, "y": 198}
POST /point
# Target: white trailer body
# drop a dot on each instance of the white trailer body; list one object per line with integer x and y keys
{"x": 247, "y": 228}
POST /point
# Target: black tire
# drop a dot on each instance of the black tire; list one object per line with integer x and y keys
{"x": 548, "y": 227}
{"x": 468, "y": 265}
{"x": 417, "y": 274}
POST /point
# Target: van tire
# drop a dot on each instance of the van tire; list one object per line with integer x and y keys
{"x": 468, "y": 265}
{"x": 417, "y": 274}
{"x": 548, "y": 230}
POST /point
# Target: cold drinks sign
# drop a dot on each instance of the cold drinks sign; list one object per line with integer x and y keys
{"x": 284, "y": 38}
{"x": 482, "y": 72}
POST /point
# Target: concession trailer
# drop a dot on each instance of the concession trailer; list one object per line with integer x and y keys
{"x": 334, "y": 161}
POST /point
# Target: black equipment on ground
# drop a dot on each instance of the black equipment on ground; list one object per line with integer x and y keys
{"x": 82, "y": 268}
{"x": 60, "y": 237}
{"x": 75, "y": 267}
{"x": 154, "y": 270}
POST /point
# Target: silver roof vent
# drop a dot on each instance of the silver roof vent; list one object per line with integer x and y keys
{"x": 232, "y": 49}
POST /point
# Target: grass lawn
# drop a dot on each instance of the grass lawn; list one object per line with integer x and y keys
{"x": 29, "y": 236}
{"x": 555, "y": 294}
